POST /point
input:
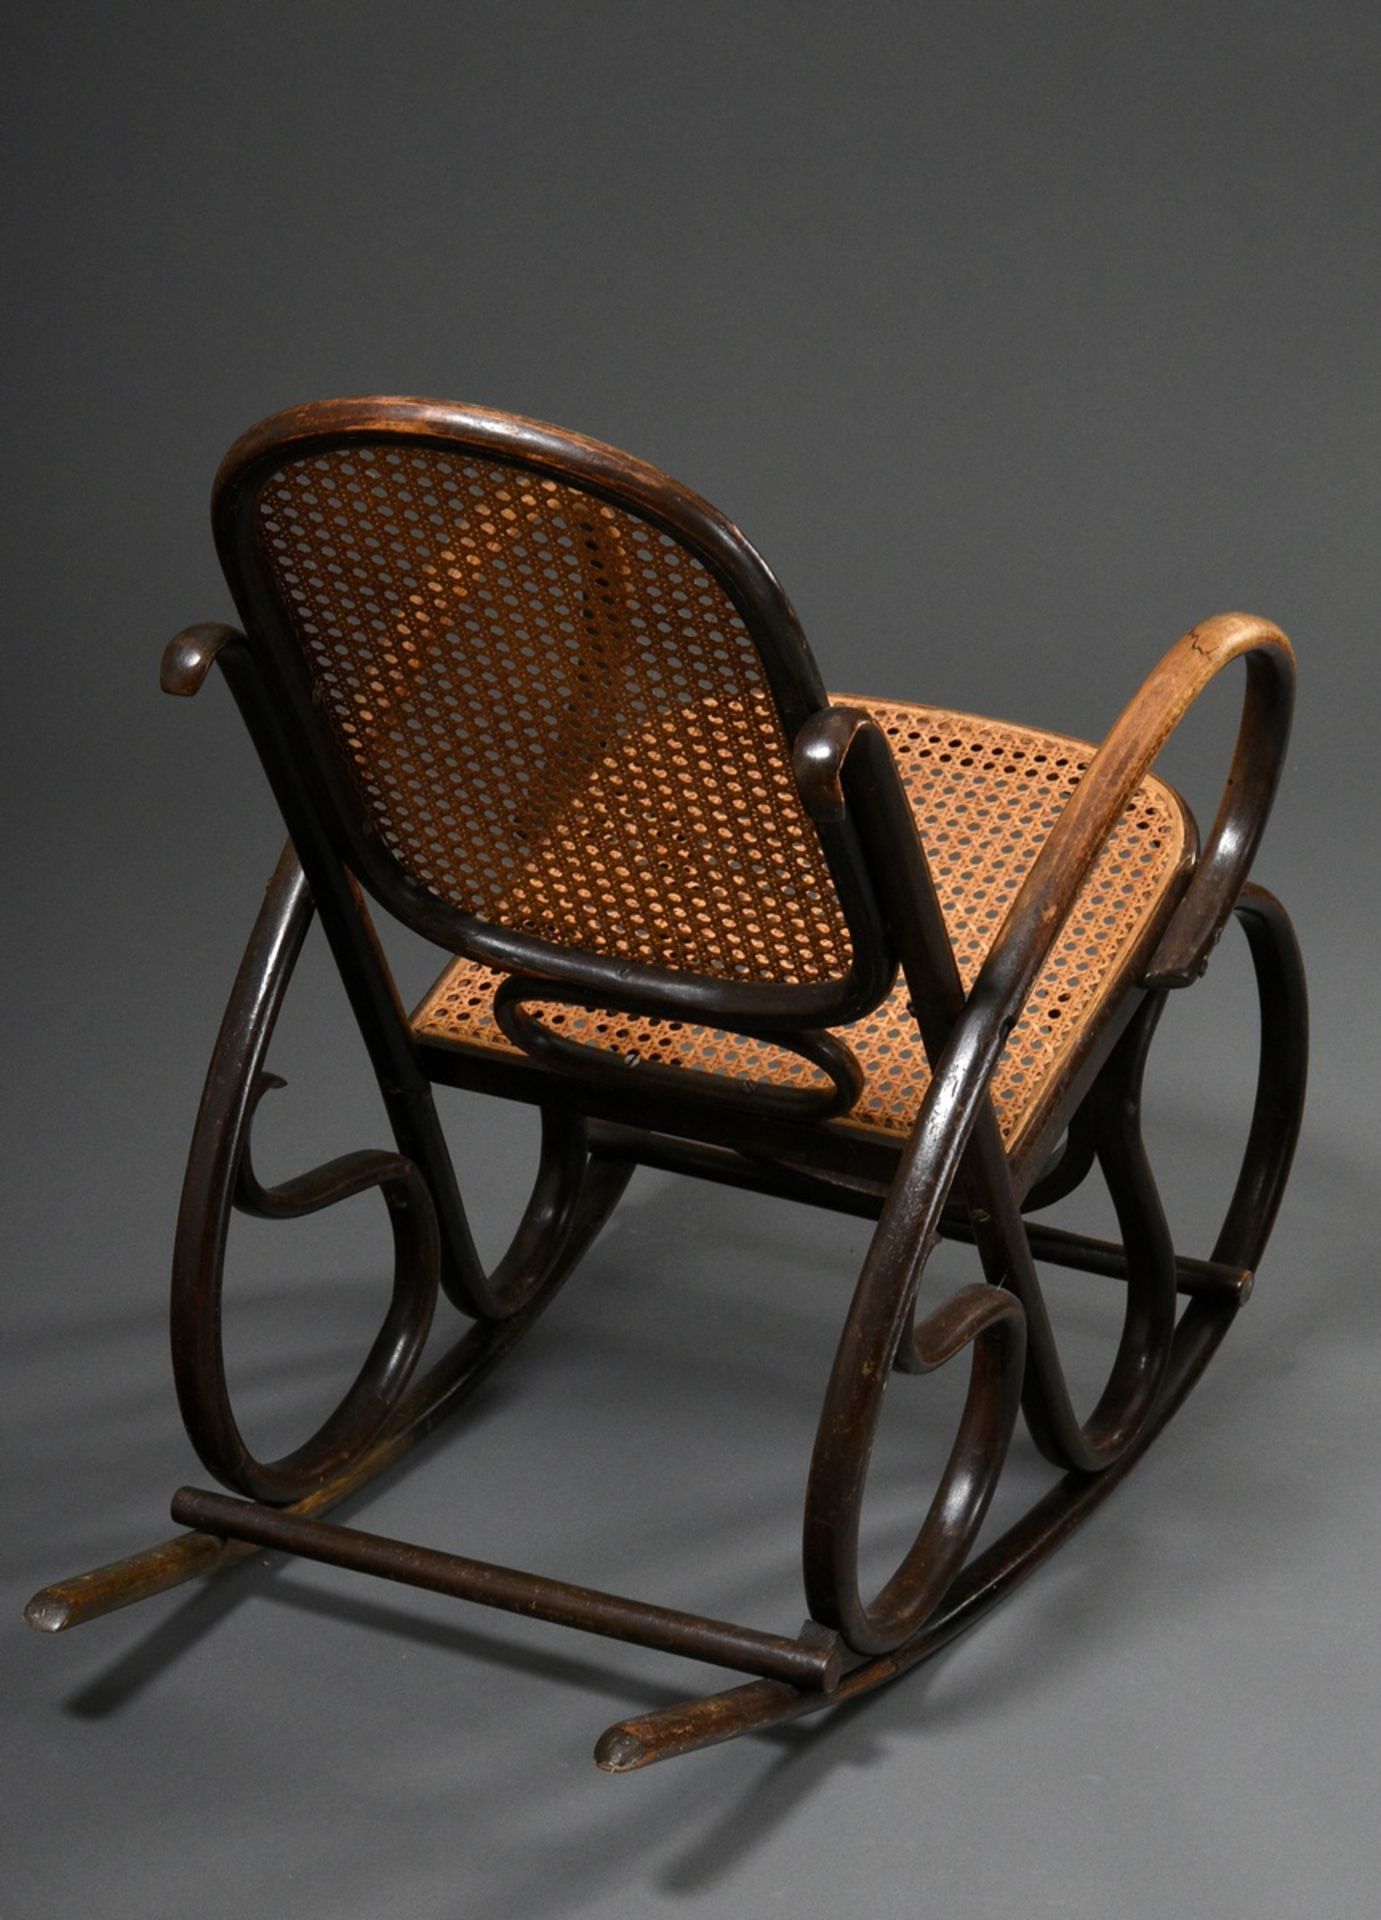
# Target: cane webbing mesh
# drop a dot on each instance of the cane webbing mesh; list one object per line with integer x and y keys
{"x": 553, "y": 715}
{"x": 986, "y": 796}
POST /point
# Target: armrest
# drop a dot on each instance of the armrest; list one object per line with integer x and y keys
{"x": 1117, "y": 769}
{"x": 840, "y": 755}
{"x": 190, "y": 655}
{"x": 1253, "y": 776}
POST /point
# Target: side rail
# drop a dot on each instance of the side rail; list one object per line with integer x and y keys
{"x": 432, "y": 1245}
{"x": 843, "y": 762}
{"x": 403, "y": 1086}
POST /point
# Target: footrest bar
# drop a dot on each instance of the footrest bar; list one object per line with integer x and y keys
{"x": 813, "y": 1661}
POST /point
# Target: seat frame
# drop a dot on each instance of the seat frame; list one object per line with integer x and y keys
{"x": 952, "y": 1178}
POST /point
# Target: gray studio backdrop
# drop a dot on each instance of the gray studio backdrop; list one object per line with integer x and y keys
{"x": 1018, "y": 337}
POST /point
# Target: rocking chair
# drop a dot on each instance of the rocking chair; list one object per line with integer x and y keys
{"x": 553, "y": 712}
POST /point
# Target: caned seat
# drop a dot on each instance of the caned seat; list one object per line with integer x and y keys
{"x": 985, "y": 795}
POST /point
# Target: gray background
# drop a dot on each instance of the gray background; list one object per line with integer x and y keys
{"x": 1019, "y": 338}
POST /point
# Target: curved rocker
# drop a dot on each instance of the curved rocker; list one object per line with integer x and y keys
{"x": 552, "y": 713}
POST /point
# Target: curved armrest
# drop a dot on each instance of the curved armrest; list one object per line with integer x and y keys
{"x": 1253, "y": 776}
{"x": 1117, "y": 769}
{"x": 190, "y": 655}
{"x": 842, "y": 748}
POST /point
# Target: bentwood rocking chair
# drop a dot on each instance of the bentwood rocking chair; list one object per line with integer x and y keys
{"x": 552, "y": 712}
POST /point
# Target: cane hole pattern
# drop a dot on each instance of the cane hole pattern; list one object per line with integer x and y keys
{"x": 985, "y": 796}
{"x": 553, "y": 715}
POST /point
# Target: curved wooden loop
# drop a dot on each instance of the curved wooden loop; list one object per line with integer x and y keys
{"x": 686, "y": 1726}
{"x": 221, "y": 1176}
{"x": 886, "y": 1286}
{"x": 1091, "y": 1445}
{"x": 367, "y": 1403}
{"x": 823, "y": 1050}
{"x": 965, "y": 1041}
{"x": 1143, "y": 1355}
{"x": 873, "y": 1329}
{"x": 993, "y": 1324}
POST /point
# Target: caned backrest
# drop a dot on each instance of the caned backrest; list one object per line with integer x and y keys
{"x": 554, "y": 694}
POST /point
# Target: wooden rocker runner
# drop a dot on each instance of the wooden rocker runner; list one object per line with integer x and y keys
{"x": 553, "y": 713}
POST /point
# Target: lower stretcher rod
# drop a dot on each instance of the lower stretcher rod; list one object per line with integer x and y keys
{"x": 813, "y": 1661}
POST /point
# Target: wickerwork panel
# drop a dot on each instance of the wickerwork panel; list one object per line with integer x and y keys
{"x": 985, "y": 796}
{"x": 552, "y": 713}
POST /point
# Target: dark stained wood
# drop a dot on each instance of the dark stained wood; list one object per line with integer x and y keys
{"x": 953, "y": 1177}
{"x": 808, "y": 1663}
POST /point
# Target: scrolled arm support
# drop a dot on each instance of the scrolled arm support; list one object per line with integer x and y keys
{"x": 190, "y": 655}
{"x": 992, "y": 1326}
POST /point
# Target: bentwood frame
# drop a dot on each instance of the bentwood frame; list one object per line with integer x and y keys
{"x": 503, "y": 547}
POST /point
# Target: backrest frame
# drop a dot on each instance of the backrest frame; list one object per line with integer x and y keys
{"x": 308, "y": 771}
